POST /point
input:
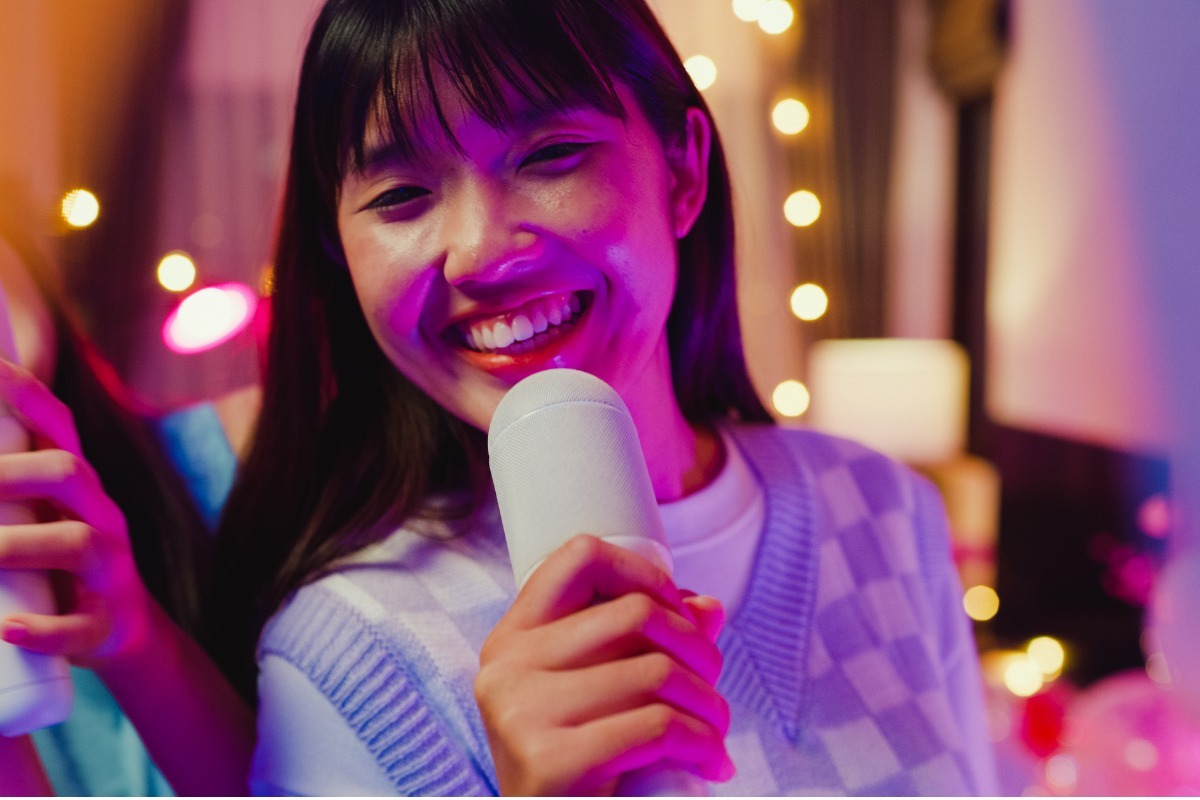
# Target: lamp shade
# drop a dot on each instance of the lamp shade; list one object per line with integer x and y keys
{"x": 906, "y": 398}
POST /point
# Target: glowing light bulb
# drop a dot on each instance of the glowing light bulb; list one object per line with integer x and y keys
{"x": 776, "y": 16}
{"x": 209, "y": 317}
{"x": 790, "y": 398}
{"x": 80, "y": 208}
{"x": 981, "y": 603}
{"x": 1023, "y": 678}
{"x": 1047, "y": 653}
{"x": 703, "y": 71}
{"x": 790, "y": 116}
{"x": 809, "y": 302}
{"x": 748, "y": 10}
{"x": 802, "y": 208}
{"x": 176, "y": 271}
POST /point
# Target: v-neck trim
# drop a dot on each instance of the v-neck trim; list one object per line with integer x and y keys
{"x": 765, "y": 660}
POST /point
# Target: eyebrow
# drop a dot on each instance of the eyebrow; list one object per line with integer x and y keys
{"x": 389, "y": 152}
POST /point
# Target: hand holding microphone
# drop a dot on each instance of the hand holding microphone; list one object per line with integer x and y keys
{"x": 602, "y": 669}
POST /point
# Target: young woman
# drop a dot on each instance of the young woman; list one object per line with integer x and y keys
{"x": 480, "y": 190}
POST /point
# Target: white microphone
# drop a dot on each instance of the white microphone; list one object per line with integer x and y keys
{"x": 565, "y": 460}
{"x": 35, "y": 689}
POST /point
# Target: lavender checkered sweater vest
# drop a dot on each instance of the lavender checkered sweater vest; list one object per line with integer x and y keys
{"x": 850, "y": 667}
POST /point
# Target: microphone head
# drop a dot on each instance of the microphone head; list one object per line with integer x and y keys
{"x": 566, "y": 459}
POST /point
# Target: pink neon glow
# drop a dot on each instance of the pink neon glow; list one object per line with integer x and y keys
{"x": 209, "y": 317}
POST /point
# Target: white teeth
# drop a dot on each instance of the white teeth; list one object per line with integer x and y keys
{"x": 504, "y": 335}
{"x": 522, "y": 328}
{"x": 536, "y": 317}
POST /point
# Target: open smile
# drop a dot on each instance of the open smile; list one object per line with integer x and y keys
{"x": 526, "y": 328}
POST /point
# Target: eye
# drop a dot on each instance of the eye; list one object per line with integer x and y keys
{"x": 556, "y": 152}
{"x": 396, "y": 197}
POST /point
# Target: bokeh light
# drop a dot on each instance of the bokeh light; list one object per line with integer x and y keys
{"x": 1048, "y": 654}
{"x": 80, "y": 208}
{"x": 1022, "y": 677}
{"x": 791, "y": 398}
{"x": 802, "y": 208}
{"x": 790, "y": 116}
{"x": 748, "y": 10}
{"x": 981, "y": 603}
{"x": 1062, "y": 773}
{"x": 776, "y": 16}
{"x": 209, "y": 317}
{"x": 809, "y": 302}
{"x": 703, "y": 71}
{"x": 176, "y": 271}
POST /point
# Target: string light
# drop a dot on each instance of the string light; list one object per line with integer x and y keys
{"x": 748, "y": 10}
{"x": 809, "y": 302}
{"x": 776, "y": 16}
{"x": 703, "y": 71}
{"x": 80, "y": 208}
{"x": 802, "y": 208}
{"x": 1023, "y": 678}
{"x": 176, "y": 271}
{"x": 1047, "y": 654}
{"x": 791, "y": 398}
{"x": 981, "y": 603}
{"x": 790, "y": 116}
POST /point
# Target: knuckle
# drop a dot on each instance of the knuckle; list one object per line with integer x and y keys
{"x": 656, "y": 670}
{"x": 583, "y": 548}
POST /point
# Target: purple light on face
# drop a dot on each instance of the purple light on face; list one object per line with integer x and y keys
{"x": 209, "y": 317}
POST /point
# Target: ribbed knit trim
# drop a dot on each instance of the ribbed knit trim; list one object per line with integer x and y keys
{"x": 380, "y": 701}
{"x": 766, "y": 641}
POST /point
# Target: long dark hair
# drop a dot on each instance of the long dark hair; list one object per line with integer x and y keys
{"x": 347, "y": 446}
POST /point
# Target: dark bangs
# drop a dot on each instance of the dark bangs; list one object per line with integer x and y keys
{"x": 377, "y": 62}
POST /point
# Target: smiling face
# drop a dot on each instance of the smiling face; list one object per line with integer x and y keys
{"x": 547, "y": 242}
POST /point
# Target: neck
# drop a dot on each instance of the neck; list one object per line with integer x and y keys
{"x": 681, "y": 459}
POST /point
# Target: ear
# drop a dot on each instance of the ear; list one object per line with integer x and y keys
{"x": 688, "y": 163}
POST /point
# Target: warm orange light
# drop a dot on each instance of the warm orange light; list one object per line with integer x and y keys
{"x": 176, "y": 271}
{"x": 776, "y": 16}
{"x": 703, "y": 71}
{"x": 790, "y": 116}
{"x": 809, "y": 302}
{"x": 802, "y": 208}
{"x": 80, "y": 208}
{"x": 981, "y": 603}
{"x": 790, "y": 398}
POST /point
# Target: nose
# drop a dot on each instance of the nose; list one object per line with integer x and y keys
{"x": 486, "y": 239}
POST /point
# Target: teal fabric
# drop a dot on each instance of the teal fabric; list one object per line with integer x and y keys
{"x": 96, "y": 752}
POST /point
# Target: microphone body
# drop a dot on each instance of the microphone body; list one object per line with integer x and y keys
{"x": 565, "y": 460}
{"x": 35, "y": 689}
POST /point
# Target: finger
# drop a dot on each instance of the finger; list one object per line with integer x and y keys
{"x": 628, "y": 626}
{"x": 64, "y": 478}
{"x": 629, "y": 684}
{"x": 584, "y": 571}
{"x": 708, "y": 613}
{"x": 60, "y": 635}
{"x": 32, "y": 402}
{"x": 654, "y": 735}
{"x": 68, "y": 545}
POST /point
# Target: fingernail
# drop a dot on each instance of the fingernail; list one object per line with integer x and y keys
{"x": 15, "y": 633}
